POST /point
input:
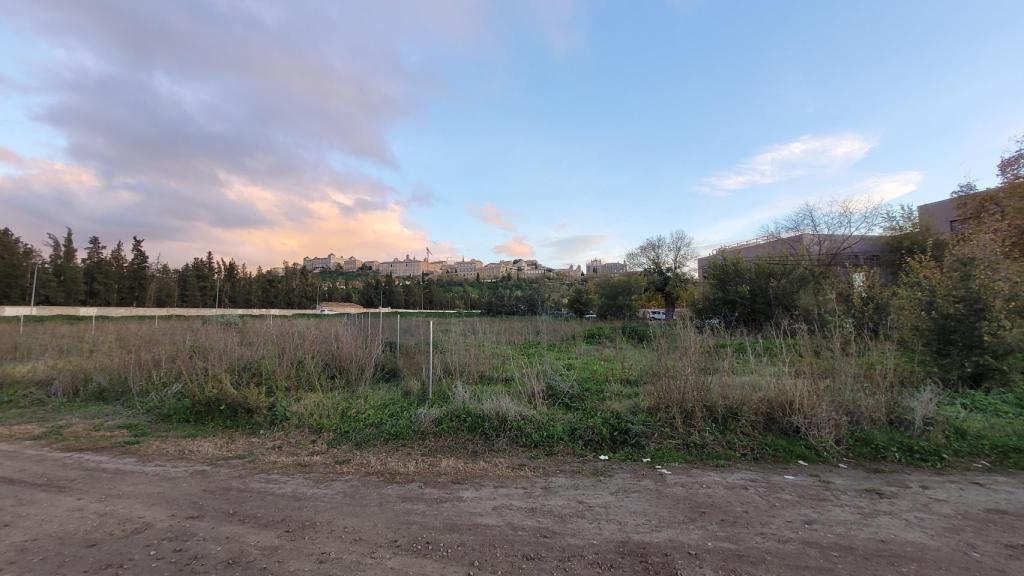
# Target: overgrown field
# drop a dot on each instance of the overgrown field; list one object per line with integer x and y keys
{"x": 667, "y": 391}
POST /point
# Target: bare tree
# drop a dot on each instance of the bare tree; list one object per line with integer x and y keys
{"x": 664, "y": 261}
{"x": 821, "y": 232}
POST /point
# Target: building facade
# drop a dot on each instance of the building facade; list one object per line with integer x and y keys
{"x": 405, "y": 268}
{"x": 316, "y": 264}
{"x": 351, "y": 264}
{"x": 598, "y": 267}
{"x": 466, "y": 268}
{"x": 822, "y": 249}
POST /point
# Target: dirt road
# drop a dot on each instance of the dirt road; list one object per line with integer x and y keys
{"x": 82, "y": 513}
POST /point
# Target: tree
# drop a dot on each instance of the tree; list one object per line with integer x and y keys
{"x": 16, "y": 266}
{"x": 71, "y": 282}
{"x": 616, "y": 296}
{"x": 820, "y": 233}
{"x": 61, "y": 281}
{"x": 663, "y": 260}
{"x": 966, "y": 313}
{"x": 118, "y": 274}
{"x": 1011, "y": 166}
{"x": 163, "y": 287}
{"x": 964, "y": 188}
{"x": 137, "y": 274}
{"x": 97, "y": 276}
{"x": 905, "y": 238}
{"x": 753, "y": 293}
{"x": 581, "y": 301}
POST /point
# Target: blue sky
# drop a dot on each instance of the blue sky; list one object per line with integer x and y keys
{"x": 554, "y": 129}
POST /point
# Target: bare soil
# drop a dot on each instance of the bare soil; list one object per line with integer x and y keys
{"x": 89, "y": 513}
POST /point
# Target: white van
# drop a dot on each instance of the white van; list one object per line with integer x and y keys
{"x": 656, "y": 315}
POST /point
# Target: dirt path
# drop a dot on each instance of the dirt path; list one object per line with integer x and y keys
{"x": 81, "y": 513}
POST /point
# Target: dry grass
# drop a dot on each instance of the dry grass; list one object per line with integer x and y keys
{"x": 794, "y": 382}
{"x": 494, "y": 379}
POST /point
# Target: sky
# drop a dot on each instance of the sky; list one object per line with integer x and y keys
{"x": 267, "y": 131}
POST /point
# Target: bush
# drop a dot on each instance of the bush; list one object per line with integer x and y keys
{"x": 966, "y": 314}
{"x": 754, "y": 294}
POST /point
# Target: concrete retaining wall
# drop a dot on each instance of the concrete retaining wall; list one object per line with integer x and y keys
{"x": 128, "y": 311}
{"x": 15, "y": 311}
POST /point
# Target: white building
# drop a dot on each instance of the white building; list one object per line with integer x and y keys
{"x": 598, "y": 267}
{"x": 316, "y": 264}
{"x": 405, "y": 268}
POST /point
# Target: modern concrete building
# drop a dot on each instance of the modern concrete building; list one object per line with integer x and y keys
{"x": 316, "y": 264}
{"x": 823, "y": 249}
{"x": 942, "y": 217}
{"x": 599, "y": 267}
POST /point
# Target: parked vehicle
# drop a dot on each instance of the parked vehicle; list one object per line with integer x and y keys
{"x": 656, "y": 315}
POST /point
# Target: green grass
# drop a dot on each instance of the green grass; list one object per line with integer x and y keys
{"x": 970, "y": 426}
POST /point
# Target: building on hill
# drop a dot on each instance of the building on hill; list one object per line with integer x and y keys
{"x": 466, "y": 268}
{"x": 570, "y": 272}
{"x": 405, "y": 268}
{"x": 351, "y": 264}
{"x": 599, "y": 267}
{"x": 494, "y": 270}
{"x": 316, "y": 264}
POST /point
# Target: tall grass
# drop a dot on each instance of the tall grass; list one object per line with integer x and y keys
{"x": 787, "y": 381}
{"x": 533, "y": 381}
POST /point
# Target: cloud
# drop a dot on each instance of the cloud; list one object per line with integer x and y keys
{"x": 574, "y": 248}
{"x": 805, "y": 155}
{"x": 516, "y": 247}
{"x": 213, "y": 125}
{"x": 491, "y": 214}
{"x": 884, "y": 187}
{"x": 256, "y": 224}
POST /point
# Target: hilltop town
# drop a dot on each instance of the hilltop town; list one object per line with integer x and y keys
{"x": 472, "y": 269}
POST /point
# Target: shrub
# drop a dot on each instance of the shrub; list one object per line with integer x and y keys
{"x": 966, "y": 314}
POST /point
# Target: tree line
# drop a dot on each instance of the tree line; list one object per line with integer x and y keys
{"x": 120, "y": 277}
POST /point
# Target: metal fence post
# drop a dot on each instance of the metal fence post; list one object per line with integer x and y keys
{"x": 21, "y": 328}
{"x": 430, "y": 370}
{"x": 398, "y": 341}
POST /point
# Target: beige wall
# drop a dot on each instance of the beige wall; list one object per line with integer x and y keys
{"x": 128, "y": 311}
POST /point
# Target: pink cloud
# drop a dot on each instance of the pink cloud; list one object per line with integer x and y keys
{"x": 516, "y": 247}
{"x": 491, "y": 214}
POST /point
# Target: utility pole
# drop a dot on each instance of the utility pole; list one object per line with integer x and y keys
{"x": 35, "y": 276}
